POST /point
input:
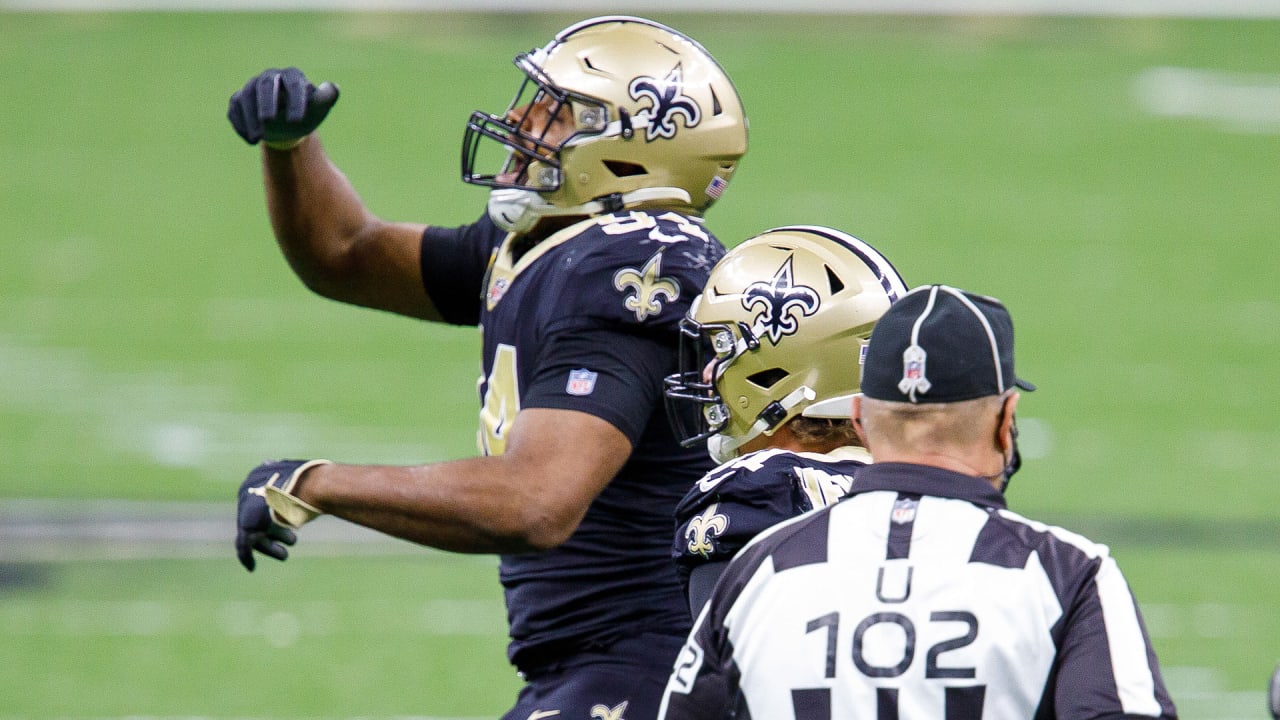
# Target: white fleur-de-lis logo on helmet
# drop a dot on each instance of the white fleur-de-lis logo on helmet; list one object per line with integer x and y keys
{"x": 669, "y": 101}
{"x": 778, "y": 301}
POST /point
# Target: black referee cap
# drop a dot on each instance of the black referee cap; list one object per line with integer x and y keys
{"x": 939, "y": 344}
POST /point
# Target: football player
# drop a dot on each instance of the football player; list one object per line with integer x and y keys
{"x": 921, "y": 594}
{"x": 623, "y": 132}
{"x": 769, "y": 366}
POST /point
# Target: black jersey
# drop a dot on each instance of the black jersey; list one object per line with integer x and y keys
{"x": 919, "y": 596}
{"x": 740, "y": 499}
{"x": 586, "y": 320}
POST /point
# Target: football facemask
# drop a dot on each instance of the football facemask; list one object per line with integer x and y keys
{"x": 694, "y": 406}
{"x": 530, "y": 133}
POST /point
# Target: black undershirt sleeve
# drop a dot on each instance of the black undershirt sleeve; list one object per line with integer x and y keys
{"x": 702, "y": 580}
{"x": 454, "y": 262}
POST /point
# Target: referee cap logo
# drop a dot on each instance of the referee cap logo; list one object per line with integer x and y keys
{"x": 913, "y": 379}
{"x": 939, "y": 344}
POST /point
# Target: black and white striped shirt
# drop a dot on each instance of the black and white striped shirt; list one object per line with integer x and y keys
{"x": 918, "y": 596}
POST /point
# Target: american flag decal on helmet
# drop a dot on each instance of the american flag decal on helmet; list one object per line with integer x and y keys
{"x": 717, "y": 186}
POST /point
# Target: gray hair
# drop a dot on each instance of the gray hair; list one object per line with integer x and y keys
{"x": 933, "y": 427}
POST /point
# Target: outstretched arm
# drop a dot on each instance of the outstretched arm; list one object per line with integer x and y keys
{"x": 333, "y": 243}
{"x": 532, "y": 497}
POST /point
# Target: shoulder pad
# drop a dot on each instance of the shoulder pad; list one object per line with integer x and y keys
{"x": 735, "y": 502}
{"x": 640, "y": 268}
{"x": 731, "y": 505}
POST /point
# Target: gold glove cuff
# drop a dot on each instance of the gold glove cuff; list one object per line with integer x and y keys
{"x": 286, "y": 508}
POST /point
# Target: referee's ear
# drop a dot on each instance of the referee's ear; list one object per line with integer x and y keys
{"x": 1007, "y": 429}
{"x": 856, "y": 416}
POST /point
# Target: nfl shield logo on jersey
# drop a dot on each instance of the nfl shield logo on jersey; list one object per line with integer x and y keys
{"x": 496, "y": 291}
{"x": 904, "y": 510}
{"x": 581, "y": 382}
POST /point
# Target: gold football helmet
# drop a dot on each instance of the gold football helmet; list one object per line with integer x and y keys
{"x": 651, "y": 119}
{"x": 780, "y": 330}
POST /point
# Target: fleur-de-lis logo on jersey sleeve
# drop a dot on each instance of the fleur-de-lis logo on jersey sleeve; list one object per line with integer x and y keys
{"x": 604, "y": 712}
{"x": 669, "y": 101}
{"x": 649, "y": 287}
{"x": 703, "y": 528}
{"x": 778, "y": 301}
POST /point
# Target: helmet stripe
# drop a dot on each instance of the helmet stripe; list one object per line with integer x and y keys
{"x": 890, "y": 279}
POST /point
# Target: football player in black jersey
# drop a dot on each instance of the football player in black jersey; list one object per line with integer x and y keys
{"x": 769, "y": 366}
{"x": 622, "y": 134}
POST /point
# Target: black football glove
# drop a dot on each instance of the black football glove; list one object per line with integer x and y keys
{"x": 280, "y": 107}
{"x": 258, "y": 526}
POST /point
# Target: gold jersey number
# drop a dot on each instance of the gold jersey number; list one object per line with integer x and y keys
{"x": 501, "y": 402}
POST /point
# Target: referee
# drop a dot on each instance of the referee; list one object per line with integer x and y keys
{"x": 920, "y": 595}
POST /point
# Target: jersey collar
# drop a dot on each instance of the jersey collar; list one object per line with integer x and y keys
{"x": 503, "y": 265}
{"x": 927, "y": 480}
{"x": 841, "y": 454}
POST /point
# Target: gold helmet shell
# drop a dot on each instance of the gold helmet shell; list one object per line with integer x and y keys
{"x": 780, "y": 330}
{"x": 656, "y": 123}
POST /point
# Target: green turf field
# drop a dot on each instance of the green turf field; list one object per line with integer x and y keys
{"x": 1114, "y": 181}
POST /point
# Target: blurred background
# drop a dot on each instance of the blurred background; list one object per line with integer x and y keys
{"x": 1113, "y": 179}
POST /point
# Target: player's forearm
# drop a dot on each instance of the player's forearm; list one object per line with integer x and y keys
{"x": 469, "y": 506}
{"x": 334, "y": 244}
{"x": 316, "y": 214}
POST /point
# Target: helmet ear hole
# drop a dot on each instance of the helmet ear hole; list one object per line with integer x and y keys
{"x": 766, "y": 379}
{"x": 621, "y": 168}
